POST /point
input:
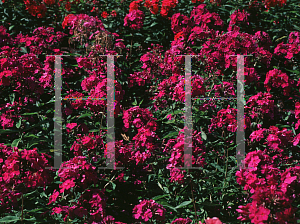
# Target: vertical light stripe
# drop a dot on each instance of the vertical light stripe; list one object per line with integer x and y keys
{"x": 110, "y": 160}
{"x": 57, "y": 114}
{"x": 240, "y": 134}
{"x": 188, "y": 125}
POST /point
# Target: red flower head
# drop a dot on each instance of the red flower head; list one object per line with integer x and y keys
{"x": 104, "y": 14}
{"x": 68, "y": 6}
{"x": 113, "y": 13}
{"x": 213, "y": 220}
{"x": 49, "y": 2}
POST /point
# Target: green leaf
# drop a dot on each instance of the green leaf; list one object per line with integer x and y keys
{"x": 30, "y": 136}
{"x": 177, "y": 112}
{"x": 12, "y": 98}
{"x": 282, "y": 126}
{"x": 141, "y": 102}
{"x": 171, "y": 134}
{"x": 26, "y": 195}
{"x": 294, "y": 130}
{"x": 31, "y": 219}
{"x": 203, "y": 135}
{"x": 160, "y": 196}
{"x": 36, "y": 125}
{"x": 293, "y": 71}
{"x": 26, "y": 114}
{"x": 134, "y": 103}
{"x": 165, "y": 189}
{"x": 169, "y": 122}
{"x": 113, "y": 185}
{"x": 11, "y": 27}
{"x": 183, "y": 204}
{"x": 165, "y": 204}
{"x": 23, "y": 50}
{"x": 296, "y": 27}
{"x": 233, "y": 158}
{"x": 218, "y": 167}
{"x": 8, "y": 131}
{"x": 7, "y": 219}
{"x": 160, "y": 186}
{"x": 15, "y": 143}
{"x": 153, "y": 24}
{"x": 18, "y": 124}
{"x": 85, "y": 115}
{"x": 206, "y": 203}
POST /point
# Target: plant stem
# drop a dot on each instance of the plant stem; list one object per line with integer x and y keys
{"x": 226, "y": 169}
{"x": 131, "y": 44}
{"x": 193, "y": 199}
{"x": 22, "y": 208}
{"x": 226, "y": 161}
{"x": 100, "y": 123}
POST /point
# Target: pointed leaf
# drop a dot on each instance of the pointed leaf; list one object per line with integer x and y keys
{"x": 183, "y": 204}
{"x": 15, "y": 143}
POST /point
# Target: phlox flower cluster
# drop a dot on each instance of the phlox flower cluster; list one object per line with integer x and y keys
{"x": 166, "y": 7}
{"x": 152, "y": 5}
{"x": 96, "y": 89}
{"x": 143, "y": 120}
{"x": 78, "y": 170}
{"x": 181, "y": 23}
{"x": 297, "y": 114}
{"x": 134, "y": 5}
{"x": 226, "y": 89}
{"x": 273, "y": 190}
{"x": 77, "y": 175}
{"x": 176, "y": 148}
{"x": 91, "y": 204}
{"x": 87, "y": 143}
{"x": 24, "y": 72}
{"x": 134, "y": 19}
{"x": 198, "y": 88}
{"x": 35, "y": 9}
{"x": 213, "y": 220}
{"x": 238, "y": 18}
{"x": 205, "y": 20}
{"x": 182, "y": 221}
{"x": 277, "y": 141}
{"x": 261, "y": 105}
{"x": 149, "y": 210}
{"x": 291, "y": 49}
{"x": 278, "y": 79}
{"x": 89, "y": 22}
{"x": 21, "y": 172}
{"x": 225, "y": 118}
{"x": 39, "y": 8}
{"x": 272, "y": 3}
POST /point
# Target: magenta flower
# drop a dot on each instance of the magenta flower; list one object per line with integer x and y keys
{"x": 67, "y": 185}
{"x": 169, "y": 116}
{"x": 147, "y": 210}
{"x": 134, "y": 19}
{"x": 53, "y": 197}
